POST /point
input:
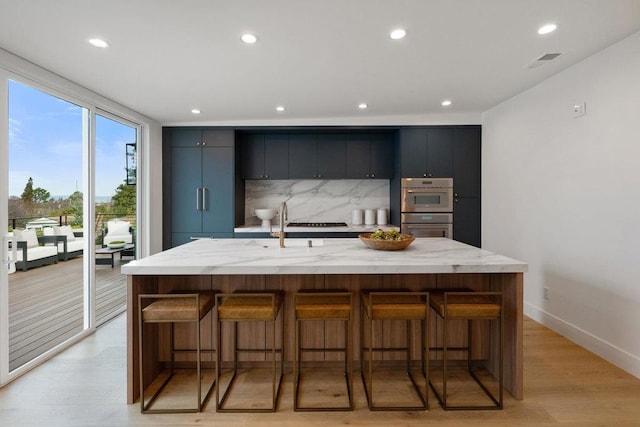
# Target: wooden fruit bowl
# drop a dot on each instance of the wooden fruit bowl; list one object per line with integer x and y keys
{"x": 387, "y": 245}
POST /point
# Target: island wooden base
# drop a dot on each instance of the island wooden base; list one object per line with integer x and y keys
{"x": 327, "y": 333}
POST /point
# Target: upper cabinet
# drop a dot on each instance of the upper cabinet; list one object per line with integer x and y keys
{"x": 370, "y": 155}
{"x": 426, "y": 152}
{"x": 317, "y": 156}
{"x": 265, "y": 156}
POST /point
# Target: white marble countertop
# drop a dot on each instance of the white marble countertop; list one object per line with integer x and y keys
{"x": 327, "y": 256}
{"x": 348, "y": 229}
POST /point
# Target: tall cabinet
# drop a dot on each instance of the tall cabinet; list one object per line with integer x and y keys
{"x": 201, "y": 184}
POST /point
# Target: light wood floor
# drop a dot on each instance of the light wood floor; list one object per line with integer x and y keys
{"x": 46, "y": 305}
{"x": 565, "y": 385}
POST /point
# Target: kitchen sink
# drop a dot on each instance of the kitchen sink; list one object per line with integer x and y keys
{"x": 292, "y": 243}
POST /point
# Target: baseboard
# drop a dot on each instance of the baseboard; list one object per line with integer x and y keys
{"x": 615, "y": 355}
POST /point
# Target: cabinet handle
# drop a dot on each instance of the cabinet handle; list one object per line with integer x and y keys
{"x": 197, "y": 198}
{"x": 204, "y": 198}
{"x": 319, "y": 175}
{"x": 204, "y": 143}
{"x": 455, "y": 194}
{"x": 367, "y": 175}
{"x": 455, "y": 200}
{"x": 266, "y": 176}
{"x": 424, "y": 175}
{"x": 373, "y": 175}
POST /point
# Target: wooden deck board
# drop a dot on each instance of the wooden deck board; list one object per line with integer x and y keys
{"x": 46, "y": 305}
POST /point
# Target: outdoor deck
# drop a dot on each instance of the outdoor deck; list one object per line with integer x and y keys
{"x": 45, "y": 305}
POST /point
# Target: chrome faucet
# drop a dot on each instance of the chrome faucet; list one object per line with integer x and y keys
{"x": 283, "y": 218}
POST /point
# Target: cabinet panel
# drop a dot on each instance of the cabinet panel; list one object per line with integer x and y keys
{"x": 276, "y": 156}
{"x": 413, "y": 152}
{"x": 439, "y": 152}
{"x": 186, "y": 138}
{"x": 218, "y": 138}
{"x": 332, "y": 156}
{"x": 466, "y": 220}
{"x": 252, "y": 150}
{"x": 303, "y": 156}
{"x": 381, "y": 161}
{"x": 466, "y": 161}
{"x": 186, "y": 178}
{"x": 217, "y": 182}
{"x": 358, "y": 156}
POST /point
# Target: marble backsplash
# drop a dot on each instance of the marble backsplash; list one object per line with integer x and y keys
{"x": 315, "y": 200}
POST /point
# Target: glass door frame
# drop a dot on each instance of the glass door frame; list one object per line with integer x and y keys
{"x": 88, "y": 186}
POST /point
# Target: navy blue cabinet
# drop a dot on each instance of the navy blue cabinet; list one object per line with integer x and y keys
{"x": 370, "y": 156}
{"x": 466, "y": 220}
{"x": 317, "y": 156}
{"x": 265, "y": 156}
{"x": 466, "y": 161}
{"x": 426, "y": 152}
{"x": 201, "y": 184}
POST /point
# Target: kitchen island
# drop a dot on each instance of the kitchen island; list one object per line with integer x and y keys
{"x": 260, "y": 264}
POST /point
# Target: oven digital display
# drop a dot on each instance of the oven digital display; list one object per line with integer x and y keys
{"x": 427, "y": 199}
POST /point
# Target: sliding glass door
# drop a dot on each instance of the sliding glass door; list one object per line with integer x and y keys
{"x": 70, "y": 221}
{"x": 115, "y": 207}
{"x": 47, "y": 286}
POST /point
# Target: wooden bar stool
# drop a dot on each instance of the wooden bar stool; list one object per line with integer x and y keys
{"x": 469, "y": 306}
{"x": 250, "y": 307}
{"x": 402, "y": 305}
{"x": 314, "y": 305}
{"x": 174, "y": 308}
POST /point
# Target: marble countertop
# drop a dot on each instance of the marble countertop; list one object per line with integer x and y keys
{"x": 326, "y": 256}
{"x": 348, "y": 229}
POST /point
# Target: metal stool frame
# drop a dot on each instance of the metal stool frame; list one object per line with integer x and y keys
{"x": 347, "y": 349}
{"x": 442, "y": 398}
{"x": 145, "y": 408}
{"x": 275, "y": 391}
{"x": 367, "y": 299}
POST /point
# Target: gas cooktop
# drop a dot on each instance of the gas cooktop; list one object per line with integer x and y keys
{"x": 317, "y": 224}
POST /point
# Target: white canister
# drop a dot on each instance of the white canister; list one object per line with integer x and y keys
{"x": 382, "y": 216}
{"x": 357, "y": 217}
{"x": 369, "y": 217}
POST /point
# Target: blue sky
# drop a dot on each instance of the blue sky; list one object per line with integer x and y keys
{"x": 45, "y": 143}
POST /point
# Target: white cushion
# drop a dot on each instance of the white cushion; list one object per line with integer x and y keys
{"x": 28, "y": 236}
{"x": 76, "y": 245}
{"x": 118, "y": 227}
{"x": 37, "y": 253}
{"x": 65, "y": 230}
{"x": 47, "y": 231}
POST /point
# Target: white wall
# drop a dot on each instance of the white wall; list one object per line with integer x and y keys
{"x": 563, "y": 194}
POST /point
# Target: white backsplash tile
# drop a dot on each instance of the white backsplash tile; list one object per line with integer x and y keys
{"x": 316, "y": 200}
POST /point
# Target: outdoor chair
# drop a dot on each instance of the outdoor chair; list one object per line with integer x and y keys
{"x": 117, "y": 229}
{"x": 30, "y": 253}
{"x": 70, "y": 244}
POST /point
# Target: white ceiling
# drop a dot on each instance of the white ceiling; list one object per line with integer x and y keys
{"x": 319, "y": 58}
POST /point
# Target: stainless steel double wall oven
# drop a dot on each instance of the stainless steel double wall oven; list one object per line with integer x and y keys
{"x": 427, "y": 207}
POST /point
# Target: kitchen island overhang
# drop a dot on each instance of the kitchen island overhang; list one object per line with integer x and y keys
{"x": 258, "y": 264}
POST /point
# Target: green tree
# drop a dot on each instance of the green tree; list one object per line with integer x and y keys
{"x": 75, "y": 201}
{"x": 40, "y": 195}
{"x": 124, "y": 201}
{"x": 27, "y": 198}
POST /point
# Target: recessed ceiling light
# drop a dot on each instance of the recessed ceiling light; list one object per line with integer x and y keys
{"x": 446, "y": 103}
{"x": 280, "y": 108}
{"x": 398, "y": 33}
{"x": 195, "y": 111}
{"x": 249, "y": 38}
{"x": 362, "y": 106}
{"x": 546, "y": 29}
{"x": 98, "y": 43}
